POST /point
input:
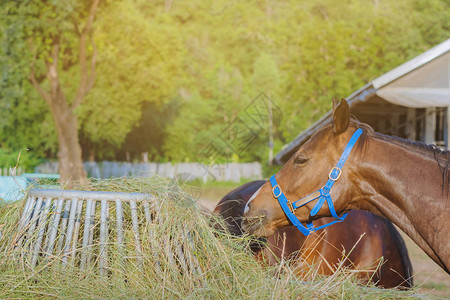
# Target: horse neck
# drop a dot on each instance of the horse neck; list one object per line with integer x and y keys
{"x": 404, "y": 183}
{"x": 408, "y": 173}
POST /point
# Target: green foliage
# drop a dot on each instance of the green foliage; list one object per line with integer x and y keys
{"x": 171, "y": 79}
{"x": 136, "y": 64}
{"x": 265, "y": 75}
{"x": 300, "y": 53}
{"x": 24, "y": 118}
{"x": 23, "y": 159}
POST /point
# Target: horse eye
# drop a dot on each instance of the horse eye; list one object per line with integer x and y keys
{"x": 300, "y": 160}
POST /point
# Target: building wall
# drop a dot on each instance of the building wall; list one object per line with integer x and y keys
{"x": 428, "y": 125}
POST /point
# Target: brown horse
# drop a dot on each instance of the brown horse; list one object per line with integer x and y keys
{"x": 325, "y": 249}
{"x": 406, "y": 182}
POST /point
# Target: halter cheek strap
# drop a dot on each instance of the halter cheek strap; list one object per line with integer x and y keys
{"x": 322, "y": 195}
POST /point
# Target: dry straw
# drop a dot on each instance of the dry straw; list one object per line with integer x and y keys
{"x": 177, "y": 255}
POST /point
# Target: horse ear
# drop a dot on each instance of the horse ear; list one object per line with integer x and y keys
{"x": 335, "y": 104}
{"x": 341, "y": 116}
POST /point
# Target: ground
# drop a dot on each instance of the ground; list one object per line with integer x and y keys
{"x": 431, "y": 279}
{"x": 428, "y": 276}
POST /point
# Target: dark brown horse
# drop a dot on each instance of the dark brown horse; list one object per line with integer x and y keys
{"x": 325, "y": 248}
{"x": 406, "y": 182}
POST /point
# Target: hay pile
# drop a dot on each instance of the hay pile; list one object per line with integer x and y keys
{"x": 181, "y": 256}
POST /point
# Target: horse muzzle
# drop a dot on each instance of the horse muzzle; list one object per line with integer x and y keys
{"x": 256, "y": 224}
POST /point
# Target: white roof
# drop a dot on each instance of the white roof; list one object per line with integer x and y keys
{"x": 412, "y": 64}
{"x": 424, "y": 81}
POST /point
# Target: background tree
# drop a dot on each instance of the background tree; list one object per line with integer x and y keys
{"x": 52, "y": 38}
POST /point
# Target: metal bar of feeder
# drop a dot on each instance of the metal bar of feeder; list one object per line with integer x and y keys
{"x": 26, "y": 212}
{"x": 76, "y": 231}
{"x": 119, "y": 218}
{"x": 197, "y": 268}
{"x": 32, "y": 225}
{"x": 43, "y": 220}
{"x": 91, "y": 232}
{"x": 26, "y": 217}
{"x": 35, "y": 217}
{"x": 103, "y": 262}
{"x": 84, "y": 195}
{"x": 65, "y": 220}
{"x": 87, "y": 222}
{"x": 181, "y": 257}
{"x": 92, "y": 223}
{"x": 51, "y": 238}
{"x": 70, "y": 227}
{"x": 135, "y": 223}
{"x": 148, "y": 216}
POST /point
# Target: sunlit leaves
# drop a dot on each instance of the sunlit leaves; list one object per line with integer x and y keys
{"x": 140, "y": 60}
{"x": 199, "y": 63}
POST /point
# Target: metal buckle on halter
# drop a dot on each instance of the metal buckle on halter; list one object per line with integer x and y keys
{"x": 291, "y": 207}
{"x": 273, "y": 191}
{"x": 338, "y": 175}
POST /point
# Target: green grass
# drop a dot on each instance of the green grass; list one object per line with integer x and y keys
{"x": 212, "y": 184}
{"x": 435, "y": 286}
{"x": 217, "y": 265}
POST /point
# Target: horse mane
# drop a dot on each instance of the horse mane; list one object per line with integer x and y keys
{"x": 427, "y": 149}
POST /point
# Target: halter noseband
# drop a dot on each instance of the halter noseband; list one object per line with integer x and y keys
{"x": 323, "y": 194}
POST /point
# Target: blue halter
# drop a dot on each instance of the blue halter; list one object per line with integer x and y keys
{"x": 323, "y": 194}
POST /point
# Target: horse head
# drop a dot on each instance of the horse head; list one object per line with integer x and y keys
{"x": 304, "y": 174}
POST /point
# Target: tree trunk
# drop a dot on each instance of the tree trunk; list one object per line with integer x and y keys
{"x": 69, "y": 149}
